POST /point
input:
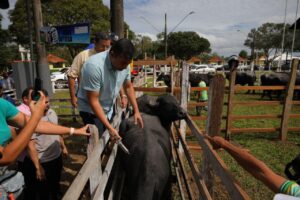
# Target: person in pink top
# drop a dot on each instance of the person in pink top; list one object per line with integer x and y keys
{"x": 24, "y": 108}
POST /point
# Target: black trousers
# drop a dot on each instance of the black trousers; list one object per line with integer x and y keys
{"x": 89, "y": 118}
{"x": 46, "y": 189}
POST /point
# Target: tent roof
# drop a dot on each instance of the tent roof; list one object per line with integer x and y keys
{"x": 55, "y": 59}
{"x": 297, "y": 23}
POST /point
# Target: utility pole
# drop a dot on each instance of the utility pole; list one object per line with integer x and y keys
{"x": 253, "y": 53}
{"x": 117, "y": 17}
{"x": 42, "y": 68}
{"x": 166, "y": 37}
{"x": 29, "y": 21}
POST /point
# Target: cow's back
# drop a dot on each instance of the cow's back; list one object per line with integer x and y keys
{"x": 148, "y": 165}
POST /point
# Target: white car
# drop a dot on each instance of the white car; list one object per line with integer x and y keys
{"x": 60, "y": 78}
{"x": 202, "y": 69}
{"x": 216, "y": 67}
{"x": 244, "y": 67}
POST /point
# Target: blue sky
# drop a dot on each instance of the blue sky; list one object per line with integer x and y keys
{"x": 216, "y": 20}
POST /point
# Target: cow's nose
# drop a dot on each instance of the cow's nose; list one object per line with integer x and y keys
{"x": 182, "y": 113}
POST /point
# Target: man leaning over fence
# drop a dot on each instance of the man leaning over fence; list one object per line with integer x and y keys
{"x": 103, "y": 75}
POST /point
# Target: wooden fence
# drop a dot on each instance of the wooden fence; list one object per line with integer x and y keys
{"x": 284, "y": 117}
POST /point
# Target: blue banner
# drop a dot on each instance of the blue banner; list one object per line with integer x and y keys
{"x": 68, "y": 34}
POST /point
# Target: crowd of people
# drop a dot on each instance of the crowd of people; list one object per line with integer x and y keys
{"x": 30, "y": 134}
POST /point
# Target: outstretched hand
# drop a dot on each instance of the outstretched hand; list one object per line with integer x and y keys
{"x": 114, "y": 135}
{"x": 82, "y": 131}
{"x": 38, "y": 107}
{"x": 138, "y": 119}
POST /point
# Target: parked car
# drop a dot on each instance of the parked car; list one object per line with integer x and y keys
{"x": 149, "y": 70}
{"x": 216, "y": 67}
{"x": 135, "y": 70}
{"x": 244, "y": 67}
{"x": 202, "y": 69}
{"x": 60, "y": 78}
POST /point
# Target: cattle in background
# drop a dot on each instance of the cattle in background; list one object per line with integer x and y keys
{"x": 243, "y": 78}
{"x": 147, "y": 168}
{"x": 194, "y": 79}
{"x": 277, "y": 79}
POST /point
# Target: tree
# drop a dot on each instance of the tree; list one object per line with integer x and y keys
{"x": 185, "y": 45}
{"x": 243, "y": 54}
{"x": 8, "y": 50}
{"x": 143, "y": 44}
{"x": 267, "y": 38}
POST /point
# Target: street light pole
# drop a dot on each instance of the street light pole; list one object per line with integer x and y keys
{"x": 166, "y": 34}
{"x": 165, "y": 31}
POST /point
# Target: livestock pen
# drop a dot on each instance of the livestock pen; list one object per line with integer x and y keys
{"x": 182, "y": 154}
{"x": 92, "y": 168}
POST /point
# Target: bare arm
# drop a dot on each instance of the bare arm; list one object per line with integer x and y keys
{"x": 131, "y": 95}
{"x": 43, "y": 127}
{"x": 251, "y": 164}
{"x": 71, "y": 83}
{"x": 33, "y": 154}
{"x": 123, "y": 97}
{"x": 63, "y": 146}
{"x": 93, "y": 99}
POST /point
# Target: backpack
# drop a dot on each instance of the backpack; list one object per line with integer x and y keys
{"x": 11, "y": 184}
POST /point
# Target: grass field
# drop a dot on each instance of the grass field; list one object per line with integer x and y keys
{"x": 265, "y": 146}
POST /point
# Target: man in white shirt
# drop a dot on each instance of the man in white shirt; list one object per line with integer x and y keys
{"x": 102, "y": 42}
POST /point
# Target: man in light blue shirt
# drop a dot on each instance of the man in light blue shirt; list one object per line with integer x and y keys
{"x": 102, "y": 77}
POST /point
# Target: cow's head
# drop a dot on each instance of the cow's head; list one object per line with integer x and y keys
{"x": 165, "y": 78}
{"x": 165, "y": 107}
{"x": 168, "y": 108}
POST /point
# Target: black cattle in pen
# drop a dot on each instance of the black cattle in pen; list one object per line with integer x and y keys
{"x": 243, "y": 78}
{"x": 147, "y": 168}
{"x": 194, "y": 79}
{"x": 277, "y": 79}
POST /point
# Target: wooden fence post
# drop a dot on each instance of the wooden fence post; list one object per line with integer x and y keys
{"x": 154, "y": 75}
{"x": 230, "y": 103}
{"x": 94, "y": 178}
{"x": 215, "y": 105}
{"x": 183, "y": 97}
{"x": 213, "y": 123}
{"x": 145, "y": 78}
{"x": 288, "y": 101}
{"x": 172, "y": 79}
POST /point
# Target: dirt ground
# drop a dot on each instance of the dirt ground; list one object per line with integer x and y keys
{"x": 77, "y": 155}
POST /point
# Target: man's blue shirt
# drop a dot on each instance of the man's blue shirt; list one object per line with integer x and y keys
{"x": 98, "y": 75}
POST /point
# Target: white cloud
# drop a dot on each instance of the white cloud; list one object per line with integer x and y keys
{"x": 152, "y": 36}
{"x": 216, "y": 20}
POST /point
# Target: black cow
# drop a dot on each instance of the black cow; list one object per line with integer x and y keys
{"x": 244, "y": 78}
{"x": 277, "y": 79}
{"x": 147, "y": 168}
{"x": 194, "y": 79}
